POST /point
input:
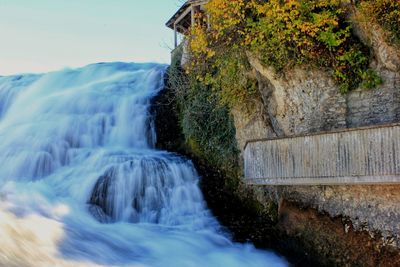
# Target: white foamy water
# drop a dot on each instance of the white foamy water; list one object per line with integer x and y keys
{"x": 82, "y": 185}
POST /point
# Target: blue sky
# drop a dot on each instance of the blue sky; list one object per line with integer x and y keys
{"x": 45, "y": 35}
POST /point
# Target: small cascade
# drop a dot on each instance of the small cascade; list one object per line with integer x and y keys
{"x": 159, "y": 189}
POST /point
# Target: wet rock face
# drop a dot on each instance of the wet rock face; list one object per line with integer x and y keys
{"x": 99, "y": 200}
{"x": 99, "y": 214}
{"x": 143, "y": 199}
{"x": 160, "y": 188}
{"x": 168, "y": 131}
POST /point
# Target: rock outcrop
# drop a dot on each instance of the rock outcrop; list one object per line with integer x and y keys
{"x": 305, "y": 101}
{"x": 313, "y": 225}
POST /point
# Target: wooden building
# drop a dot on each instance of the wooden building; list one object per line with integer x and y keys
{"x": 181, "y": 21}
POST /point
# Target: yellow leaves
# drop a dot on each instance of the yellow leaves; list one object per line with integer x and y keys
{"x": 225, "y": 14}
{"x": 200, "y": 47}
{"x": 325, "y": 19}
{"x": 199, "y": 43}
{"x": 198, "y": 40}
{"x": 227, "y": 19}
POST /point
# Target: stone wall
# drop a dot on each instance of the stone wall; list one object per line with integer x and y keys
{"x": 378, "y": 106}
{"x": 308, "y": 101}
{"x": 255, "y": 124}
{"x": 370, "y": 208}
{"x": 302, "y": 101}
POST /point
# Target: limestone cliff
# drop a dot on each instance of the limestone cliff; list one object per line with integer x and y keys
{"x": 306, "y": 101}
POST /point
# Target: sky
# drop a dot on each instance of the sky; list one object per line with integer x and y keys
{"x": 45, "y": 35}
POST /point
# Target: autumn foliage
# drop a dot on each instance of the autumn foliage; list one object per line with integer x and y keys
{"x": 281, "y": 34}
{"x": 386, "y": 13}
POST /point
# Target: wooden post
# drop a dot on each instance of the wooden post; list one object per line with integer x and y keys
{"x": 175, "y": 36}
{"x": 192, "y": 14}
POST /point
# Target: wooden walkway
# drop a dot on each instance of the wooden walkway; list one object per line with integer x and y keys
{"x": 369, "y": 155}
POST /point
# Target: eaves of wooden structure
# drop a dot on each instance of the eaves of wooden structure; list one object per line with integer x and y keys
{"x": 181, "y": 21}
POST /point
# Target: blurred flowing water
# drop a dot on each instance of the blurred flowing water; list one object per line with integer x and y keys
{"x": 82, "y": 185}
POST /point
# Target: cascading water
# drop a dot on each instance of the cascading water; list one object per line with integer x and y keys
{"x": 81, "y": 183}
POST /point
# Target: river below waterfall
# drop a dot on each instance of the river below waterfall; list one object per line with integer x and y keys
{"x": 82, "y": 185}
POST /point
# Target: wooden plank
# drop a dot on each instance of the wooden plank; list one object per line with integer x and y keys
{"x": 349, "y": 180}
{"x": 175, "y": 36}
{"x": 353, "y": 156}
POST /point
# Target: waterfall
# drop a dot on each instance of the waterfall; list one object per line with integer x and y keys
{"x": 82, "y": 185}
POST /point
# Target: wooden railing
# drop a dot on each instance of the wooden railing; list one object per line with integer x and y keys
{"x": 369, "y": 155}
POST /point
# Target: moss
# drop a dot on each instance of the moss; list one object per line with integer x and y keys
{"x": 207, "y": 126}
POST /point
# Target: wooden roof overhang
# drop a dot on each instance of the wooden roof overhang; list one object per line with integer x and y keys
{"x": 182, "y": 18}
